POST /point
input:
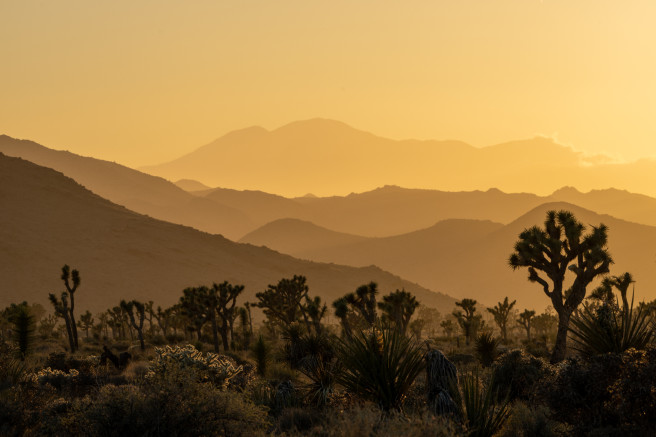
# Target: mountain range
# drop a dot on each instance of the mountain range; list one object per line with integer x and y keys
{"x": 49, "y": 220}
{"x": 326, "y": 157}
{"x": 466, "y": 258}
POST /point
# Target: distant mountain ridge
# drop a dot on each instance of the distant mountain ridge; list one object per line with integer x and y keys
{"x": 49, "y": 220}
{"x": 312, "y": 155}
{"x": 467, "y": 257}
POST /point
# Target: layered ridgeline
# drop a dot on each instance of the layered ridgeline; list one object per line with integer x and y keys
{"x": 135, "y": 190}
{"x": 467, "y": 257}
{"x": 386, "y": 211}
{"x": 326, "y": 157}
{"x": 49, "y": 220}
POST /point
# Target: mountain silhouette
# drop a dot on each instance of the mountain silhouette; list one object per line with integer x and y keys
{"x": 49, "y": 220}
{"x": 133, "y": 189}
{"x": 467, "y": 257}
{"x": 326, "y": 156}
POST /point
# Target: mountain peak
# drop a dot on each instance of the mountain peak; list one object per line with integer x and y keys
{"x": 566, "y": 190}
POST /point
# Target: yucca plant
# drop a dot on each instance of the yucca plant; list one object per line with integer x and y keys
{"x": 487, "y": 348}
{"x": 380, "y": 365}
{"x": 480, "y": 407}
{"x": 604, "y": 330}
{"x": 323, "y": 376}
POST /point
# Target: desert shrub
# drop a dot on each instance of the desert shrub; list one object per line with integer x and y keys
{"x": 279, "y": 371}
{"x": 210, "y": 366}
{"x": 532, "y": 422}
{"x": 359, "y": 422}
{"x": 170, "y": 403}
{"x": 516, "y": 373}
{"x": 301, "y": 420}
{"x": 380, "y": 365}
{"x": 487, "y": 348}
{"x": 633, "y": 393}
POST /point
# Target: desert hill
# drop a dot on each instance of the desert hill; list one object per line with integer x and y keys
{"x": 48, "y": 219}
{"x": 135, "y": 190}
{"x": 466, "y": 256}
{"x": 326, "y": 156}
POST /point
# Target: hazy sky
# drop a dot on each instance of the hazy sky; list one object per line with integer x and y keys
{"x": 142, "y": 82}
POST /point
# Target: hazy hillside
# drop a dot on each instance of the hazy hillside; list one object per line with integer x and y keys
{"x": 326, "y": 157}
{"x": 191, "y": 185}
{"x": 138, "y": 191}
{"x": 48, "y": 219}
{"x": 299, "y": 238}
{"x": 467, "y": 257}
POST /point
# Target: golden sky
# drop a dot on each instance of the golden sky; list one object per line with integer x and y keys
{"x": 142, "y": 82}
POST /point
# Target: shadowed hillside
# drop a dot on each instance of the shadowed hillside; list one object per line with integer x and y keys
{"x": 48, "y": 220}
{"x": 327, "y": 156}
{"x": 467, "y": 257}
{"x": 138, "y": 191}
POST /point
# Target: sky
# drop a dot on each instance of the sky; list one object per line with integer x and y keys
{"x": 143, "y": 82}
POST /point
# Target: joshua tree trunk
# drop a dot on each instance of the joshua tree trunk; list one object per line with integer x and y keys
{"x": 215, "y": 334}
{"x": 560, "y": 348}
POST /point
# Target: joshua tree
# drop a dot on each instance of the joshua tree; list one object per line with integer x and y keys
{"x": 447, "y": 327}
{"x": 604, "y": 293}
{"x": 62, "y": 310}
{"x": 342, "y": 313}
{"x": 224, "y": 298}
{"x": 356, "y": 309}
{"x": 67, "y": 276}
{"x": 363, "y": 301}
{"x": 193, "y": 305}
{"x": 525, "y": 320}
{"x": 283, "y": 303}
{"x": 560, "y": 247}
{"x": 501, "y": 312}
{"x": 468, "y": 321}
{"x": 315, "y": 311}
{"x": 398, "y": 307}
{"x": 86, "y": 322}
{"x": 129, "y": 308}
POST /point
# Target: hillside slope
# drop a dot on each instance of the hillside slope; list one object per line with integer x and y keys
{"x": 49, "y": 220}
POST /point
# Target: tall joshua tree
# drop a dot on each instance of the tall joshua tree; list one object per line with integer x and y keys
{"x": 225, "y": 295}
{"x": 357, "y": 309}
{"x": 72, "y": 282}
{"x": 525, "y": 320}
{"x": 283, "y": 303}
{"x": 129, "y": 308}
{"x": 501, "y": 311}
{"x": 468, "y": 320}
{"x": 398, "y": 307}
{"x": 550, "y": 253}
{"x": 62, "y": 310}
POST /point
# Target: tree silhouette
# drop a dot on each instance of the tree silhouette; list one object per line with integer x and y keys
{"x": 315, "y": 312}
{"x": 604, "y": 293}
{"x": 86, "y": 322}
{"x": 469, "y": 321}
{"x": 525, "y": 320}
{"x": 62, "y": 310}
{"x": 129, "y": 308}
{"x": 283, "y": 303}
{"x": 501, "y": 311}
{"x": 398, "y": 307}
{"x": 447, "y": 327}
{"x": 559, "y": 247}
{"x": 224, "y": 298}
{"x": 71, "y": 282}
{"x": 358, "y": 309}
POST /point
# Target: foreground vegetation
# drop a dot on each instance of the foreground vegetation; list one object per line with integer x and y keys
{"x": 388, "y": 366}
